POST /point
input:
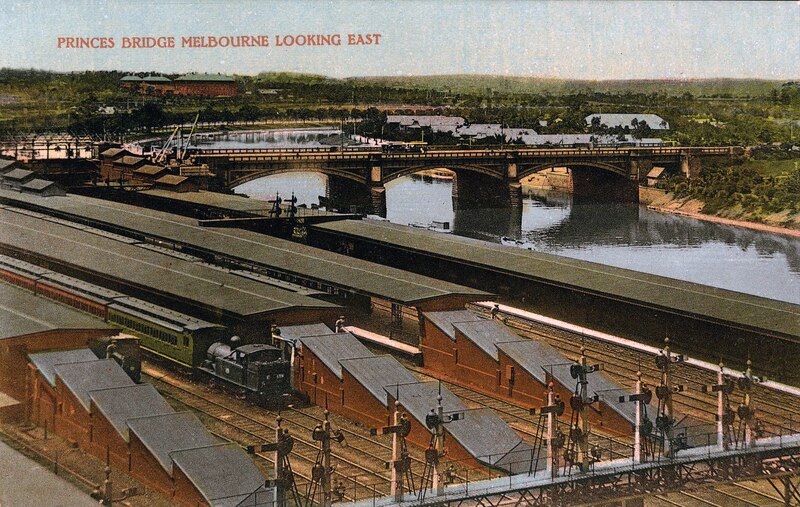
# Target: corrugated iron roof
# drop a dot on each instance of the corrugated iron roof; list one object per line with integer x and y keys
{"x": 80, "y": 378}
{"x": 486, "y": 334}
{"x": 711, "y": 303}
{"x": 206, "y": 78}
{"x": 223, "y": 474}
{"x": 331, "y": 348}
{"x": 150, "y": 169}
{"x": 18, "y": 174}
{"x": 123, "y": 403}
{"x": 128, "y": 160}
{"x": 533, "y": 356}
{"x": 113, "y": 152}
{"x": 166, "y": 433}
{"x": 445, "y": 320}
{"x": 481, "y": 432}
{"x": 46, "y": 362}
{"x": 360, "y": 276}
{"x": 171, "y": 179}
{"x": 22, "y": 313}
{"x": 204, "y": 288}
{"x": 37, "y": 184}
{"x": 377, "y": 374}
{"x": 302, "y": 330}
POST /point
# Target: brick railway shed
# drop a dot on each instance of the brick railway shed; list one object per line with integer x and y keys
{"x": 338, "y": 372}
{"x": 30, "y": 323}
{"x": 700, "y": 320}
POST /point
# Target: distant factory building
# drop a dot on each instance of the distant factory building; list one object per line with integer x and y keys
{"x": 204, "y": 85}
{"x": 130, "y": 82}
{"x": 191, "y": 85}
{"x": 177, "y": 183}
{"x": 155, "y": 85}
{"x": 612, "y": 120}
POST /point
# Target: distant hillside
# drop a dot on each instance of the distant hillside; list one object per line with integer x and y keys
{"x": 554, "y": 86}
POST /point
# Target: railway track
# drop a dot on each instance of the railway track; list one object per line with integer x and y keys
{"x": 521, "y": 421}
{"x": 779, "y": 411}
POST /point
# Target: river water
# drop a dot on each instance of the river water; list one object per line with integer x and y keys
{"x": 626, "y": 236}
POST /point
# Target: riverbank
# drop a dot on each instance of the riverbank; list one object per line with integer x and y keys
{"x": 665, "y": 202}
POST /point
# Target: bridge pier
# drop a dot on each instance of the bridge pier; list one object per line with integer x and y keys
{"x": 515, "y": 194}
{"x": 377, "y": 196}
{"x": 592, "y": 185}
{"x": 514, "y": 186}
{"x": 690, "y": 166}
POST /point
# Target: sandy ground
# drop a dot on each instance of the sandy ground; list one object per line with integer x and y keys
{"x": 778, "y": 223}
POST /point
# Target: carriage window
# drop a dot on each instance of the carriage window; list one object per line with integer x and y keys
{"x": 185, "y": 341}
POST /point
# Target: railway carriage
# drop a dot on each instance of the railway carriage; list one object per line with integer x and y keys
{"x": 190, "y": 343}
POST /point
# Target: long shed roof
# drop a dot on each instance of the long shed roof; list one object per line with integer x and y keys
{"x": 331, "y": 348}
{"x": 153, "y": 272}
{"x": 486, "y": 334}
{"x": 378, "y": 374}
{"x": 444, "y": 320}
{"x": 481, "y": 432}
{"x": 223, "y": 474}
{"x": 165, "y": 433}
{"x": 46, "y": 362}
{"x": 711, "y": 303}
{"x": 122, "y": 403}
{"x": 81, "y": 378}
{"x": 361, "y": 276}
{"x": 22, "y": 313}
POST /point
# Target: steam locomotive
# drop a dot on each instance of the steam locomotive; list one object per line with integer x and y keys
{"x": 259, "y": 371}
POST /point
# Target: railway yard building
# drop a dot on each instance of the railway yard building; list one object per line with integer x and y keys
{"x": 246, "y": 306}
{"x": 339, "y": 373}
{"x": 353, "y": 281}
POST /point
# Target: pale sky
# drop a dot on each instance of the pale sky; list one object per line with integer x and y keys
{"x": 579, "y": 40}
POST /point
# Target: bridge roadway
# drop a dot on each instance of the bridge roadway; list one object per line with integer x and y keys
{"x": 603, "y": 171}
{"x": 705, "y": 321}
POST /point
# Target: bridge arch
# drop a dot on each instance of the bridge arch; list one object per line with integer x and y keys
{"x": 342, "y": 173}
{"x": 451, "y": 167}
{"x": 524, "y": 173}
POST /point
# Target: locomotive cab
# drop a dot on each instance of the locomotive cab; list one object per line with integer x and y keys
{"x": 258, "y": 368}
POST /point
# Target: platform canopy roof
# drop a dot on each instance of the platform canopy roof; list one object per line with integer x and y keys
{"x": 141, "y": 270}
{"x": 668, "y": 294}
{"x": 23, "y": 313}
{"x": 329, "y": 268}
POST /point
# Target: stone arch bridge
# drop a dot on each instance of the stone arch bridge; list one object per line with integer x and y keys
{"x": 482, "y": 175}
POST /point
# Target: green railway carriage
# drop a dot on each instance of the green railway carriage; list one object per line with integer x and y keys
{"x": 171, "y": 335}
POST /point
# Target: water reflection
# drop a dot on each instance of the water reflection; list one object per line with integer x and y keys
{"x": 289, "y": 138}
{"x": 307, "y": 187}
